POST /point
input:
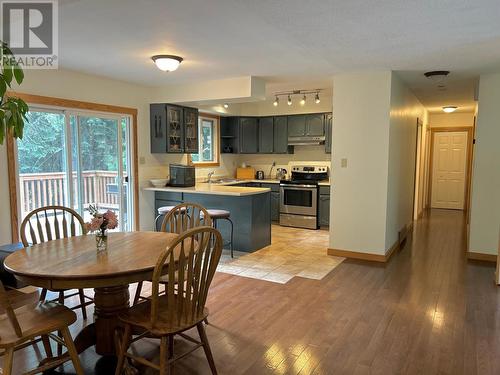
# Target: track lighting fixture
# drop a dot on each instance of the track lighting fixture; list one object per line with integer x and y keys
{"x": 302, "y": 93}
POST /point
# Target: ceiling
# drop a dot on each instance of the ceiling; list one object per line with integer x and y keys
{"x": 286, "y": 42}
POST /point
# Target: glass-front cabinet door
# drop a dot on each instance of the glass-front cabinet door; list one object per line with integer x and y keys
{"x": 190, "y": 130}
{"x": 175, "y": 136}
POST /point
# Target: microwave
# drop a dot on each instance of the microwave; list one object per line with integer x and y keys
{"x": 182, "y": 175}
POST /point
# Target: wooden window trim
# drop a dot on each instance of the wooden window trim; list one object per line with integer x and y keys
{"x": 69, "y": 104}
{"x": 217, "y": 148}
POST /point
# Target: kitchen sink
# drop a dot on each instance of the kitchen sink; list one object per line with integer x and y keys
{"x": 221, "y": 180}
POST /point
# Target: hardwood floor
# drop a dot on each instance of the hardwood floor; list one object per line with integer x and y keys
{"x": 428, "y": 311}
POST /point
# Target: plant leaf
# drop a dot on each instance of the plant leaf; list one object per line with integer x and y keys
{"x": 18, "y": 73}
{"x": 3, "y": 88}
{"x": 7, "y": 73}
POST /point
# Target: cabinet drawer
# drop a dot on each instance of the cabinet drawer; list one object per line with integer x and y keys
{"x": 324, "y": 190}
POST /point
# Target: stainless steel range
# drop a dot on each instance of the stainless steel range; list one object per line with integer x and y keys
{"x": 299, "y": 196}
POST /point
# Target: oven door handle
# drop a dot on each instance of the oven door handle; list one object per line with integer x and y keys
{"x": 297, "y": 187}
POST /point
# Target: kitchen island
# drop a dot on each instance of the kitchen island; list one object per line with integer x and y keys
{"x": 250, "y": 209}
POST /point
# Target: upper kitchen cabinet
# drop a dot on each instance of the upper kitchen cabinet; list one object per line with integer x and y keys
{"x": 158, "y": 130}
{"x": 190, "y": 130}
{"x": 296, "y": 126}
{"x": 280, "y": 139}
{"x": 328, "y": 131}
{"x": 266, "y": 135}
{"x": 174, "y": 129}
{"x": 315, "y": 125}
{"x": 249, "y": 135}
{"x": 229, "y": 135}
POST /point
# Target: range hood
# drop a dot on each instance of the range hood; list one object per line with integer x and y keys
{"x": 306, "y": 140}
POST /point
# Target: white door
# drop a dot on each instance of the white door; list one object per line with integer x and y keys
{"x": 448, "y": 170}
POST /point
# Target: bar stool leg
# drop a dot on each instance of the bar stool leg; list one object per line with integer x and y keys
{"x": 156, "y": 222}
{"x": 232, "y": 227}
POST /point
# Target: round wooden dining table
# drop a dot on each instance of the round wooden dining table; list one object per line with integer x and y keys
{"x": 73, "y": 263}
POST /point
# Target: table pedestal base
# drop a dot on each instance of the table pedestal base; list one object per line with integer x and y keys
{"x": 109, "y": 302}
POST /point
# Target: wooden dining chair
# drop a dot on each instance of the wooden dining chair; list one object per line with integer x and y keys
{"x": 179, "y": 219}
{"x": 20, "y": 327}
{"x": 55, "y": 222}
{"x": 194, "y": 256}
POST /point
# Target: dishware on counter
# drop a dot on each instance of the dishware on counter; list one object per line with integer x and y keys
{"x": 281, "y": 173}
{"x": 160, "y": 182}
{"x": 259, "y": 175}
{"x": 245, "y": 173}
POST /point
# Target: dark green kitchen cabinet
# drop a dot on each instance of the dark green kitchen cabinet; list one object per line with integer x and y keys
{"x": 324, "y": 206}
{"x": 328, "y": 133}
{"x": 158, "y": 131}
{"x": 266, "y": 135}
{"x": 296, "y": 126}
{"x": 173, "y": 129}
{"x": 275, "y": 206}
{"x": 315, "y": 125}
{"x": 191, "y": 130}
{"x": 249, "y": 135}
{"x": 280, "y": 139}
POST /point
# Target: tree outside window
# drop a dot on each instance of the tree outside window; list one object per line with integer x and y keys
{"x": 208, "y": 153}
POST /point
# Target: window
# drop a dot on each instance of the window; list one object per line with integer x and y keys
{"x": 75, "y": 159}
{"x": 208, "y": 141}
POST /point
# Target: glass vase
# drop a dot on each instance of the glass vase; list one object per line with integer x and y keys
{"x": 101, "y": 240}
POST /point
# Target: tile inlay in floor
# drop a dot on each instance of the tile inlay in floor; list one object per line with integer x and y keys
{"x": 293, "y": 252}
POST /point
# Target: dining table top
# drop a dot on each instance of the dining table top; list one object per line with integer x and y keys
{"x": 74, "y": 262}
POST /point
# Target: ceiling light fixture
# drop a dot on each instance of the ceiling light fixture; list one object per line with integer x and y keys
{"x": 226, "y": 105}
{"x": 316, "y": 98}
{"x": 303, "y": 100}
{"x": 289, "y": 102}
{"x": 276, "y": 101}
{"x": 449, "y": 109}
{"x": 301, "y": 93}
{"x": 437, "y": 75}
{"x": 167, "y": 63}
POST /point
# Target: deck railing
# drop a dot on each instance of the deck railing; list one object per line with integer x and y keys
{"x": 43, "y": 189}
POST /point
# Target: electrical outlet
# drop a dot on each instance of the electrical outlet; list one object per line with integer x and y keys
{"x": 343, "y": 163}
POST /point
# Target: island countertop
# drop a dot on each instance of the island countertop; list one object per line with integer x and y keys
{"x": 213, "y": 189}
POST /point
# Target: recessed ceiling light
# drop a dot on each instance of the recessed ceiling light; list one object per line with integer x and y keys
{"x": 226, "y": 105}
{"x": 449, "y": 109}
{"x": 167, "y": 63}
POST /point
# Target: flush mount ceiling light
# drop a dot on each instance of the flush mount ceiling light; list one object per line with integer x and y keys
{"x": 226, "y": 105}
{"x": 290, "y": 94}
{"x": 167, "y": 63}
{"x": 437, "y": 75}
{"x": 449, "y": 109}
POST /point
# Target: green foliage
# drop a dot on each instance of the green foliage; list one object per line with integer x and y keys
{"x": 12, "y": 110}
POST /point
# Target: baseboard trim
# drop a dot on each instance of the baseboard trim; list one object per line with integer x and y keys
{"x": 365, "y": 256}
{"x": 482, "y": 256}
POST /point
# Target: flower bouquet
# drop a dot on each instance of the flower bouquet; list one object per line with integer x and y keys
{"x": 100, "y": 224}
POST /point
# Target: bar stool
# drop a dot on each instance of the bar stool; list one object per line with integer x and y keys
{"x": 162, "y": 211}
{"x": 216, "y": 215}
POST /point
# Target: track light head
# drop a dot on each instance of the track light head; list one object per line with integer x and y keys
{"x": 289, "y": 102}
{"x": 276, "y": 101}
{"x": 303, "y": 100}
{"x": 316, "y": 98}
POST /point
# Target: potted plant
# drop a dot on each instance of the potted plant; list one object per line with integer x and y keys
{"x": 12, "y": 110}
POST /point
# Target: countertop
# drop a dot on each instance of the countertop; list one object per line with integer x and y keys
{"x": 322, "y": 183}
{"x": 214, "y": 189}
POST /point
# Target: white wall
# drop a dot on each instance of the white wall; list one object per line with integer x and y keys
{"x": 440, "y": 120}
{"x": 485, "y": 207}
{"x": 361, "y": 135}
{"x": 404, "y": 111}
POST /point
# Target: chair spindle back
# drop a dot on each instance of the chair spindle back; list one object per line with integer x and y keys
{"x": 185, "y": 216}
{"x": 50, "y": 222}
{"x": 5, "y": 304}
{"x": 194, "y": 256}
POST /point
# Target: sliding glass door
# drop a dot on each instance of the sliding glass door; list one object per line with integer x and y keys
{"x": 92, "y": 151}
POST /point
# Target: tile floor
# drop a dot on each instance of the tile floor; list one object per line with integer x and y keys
{"x": 293, "y": 252}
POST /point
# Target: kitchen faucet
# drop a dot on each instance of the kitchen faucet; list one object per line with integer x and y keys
{"x": 210, "y": 174}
